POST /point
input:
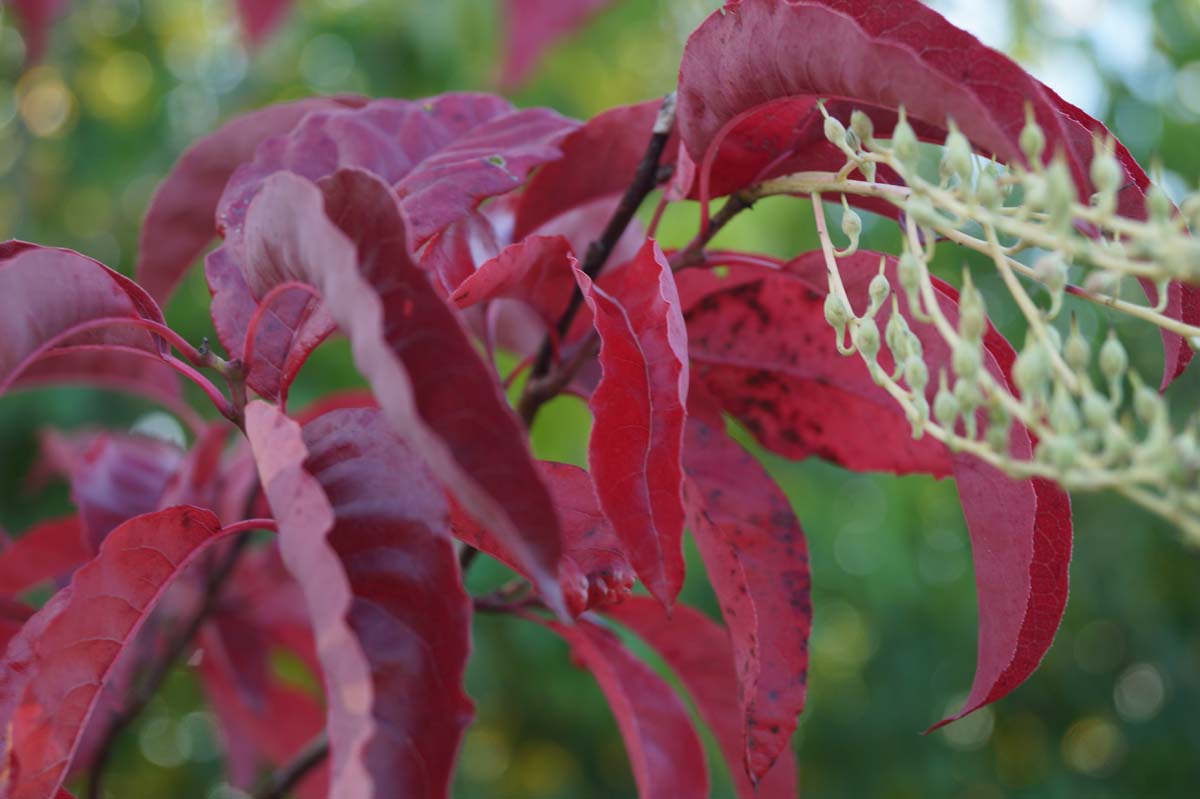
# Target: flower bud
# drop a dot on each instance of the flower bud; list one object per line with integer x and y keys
{"x": 862, "y": 125}
{"x": 957, "y": 157}
{"x": 836, "y": 313}
{"x": 1060, "y": 451}
{"x": 851, "y": 226}
{"x": 945, "y": 406}
{"x": 916, "y": 374}
{"x": 896, "y": 334}
{"x": 1105, "y": 171}
{"x": 866, "y": 337}
{"x": 1032, "y": 139}
{"x": 999, "y": 426}
{"x": 1032, "y": 369}
{"x": 879, "y": 290}
{"x": 1158, "y": 204}
{"x": 1064, "y": 416}
{"x": 966, "y": 359}
{"x": 1060, "y": 194}
{"x": 868, "y": 170}
{"x": 1077, "y": 351}
{"x": 922, "y": 211}
{"x": 1147, "y": 404}
{"x": 1051, "y": 271}
{"x": 972, "y": 316}
{"x": 908, "y": 270}
{"x": 987, "y": 190}
{"x": 835, "y": 132}
{"x": 904, "y": 142}
{"x": 1097, "y": 412}
{"x": 1113, "y": 358}
{"x": 966, "y": 392}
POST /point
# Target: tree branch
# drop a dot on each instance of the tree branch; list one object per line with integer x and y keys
{"x": 282, "y": 781}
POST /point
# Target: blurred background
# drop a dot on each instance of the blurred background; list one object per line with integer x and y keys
{"x": 127, "y": 84}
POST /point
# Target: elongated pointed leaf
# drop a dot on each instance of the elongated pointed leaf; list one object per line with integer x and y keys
{"x": 532, "y": 26}
{"x": 181, "y": 219}
{"x": 538, "y": 271}
{"x": 664, "y": 750}
{"x": 428, "y": 378}
{"x": 754, "y": 54}
{"x": 362, "y": 529}
{"x": 46, "y": 293}
{"x": 595, "y": 571}
{"x": 56, "y": 667}
{"x": 636, "y": 444}
{"x": 757, "y": 562}
{"x": 698, "y": 650}
{"x": 765, "y": 349}
{"x": 43, "y": 552}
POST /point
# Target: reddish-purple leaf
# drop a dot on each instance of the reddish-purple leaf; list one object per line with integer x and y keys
{"x": 55, "y": 669}
{"x": 44, "y": 552}
{"x": 363, "y": 530}
{"x": 764, "y": 349}
{"x": 594, "y": 571}
{"x": 538, "y": 271}
{"x": 13, "y": 615}
{"x": 757, "y": 562}
{"x": 697, "y": 649}
{"x": 751, "y": 57}
{"x": 181, "y": 219}
{"x": 532, "y": 26}
{"x": 639, "y": 407}
{"x": 664, "y": 750}
{"x": 261, "y": 17}
{"x": 427, "y": 376}
{"x": 599, "y": 159}
{"x": 36, "y": 18}
{"x": 46, "y": 294}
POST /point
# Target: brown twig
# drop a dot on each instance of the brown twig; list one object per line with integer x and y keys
{"x": 282, "y": 781}
{"x": 648, "y": 175}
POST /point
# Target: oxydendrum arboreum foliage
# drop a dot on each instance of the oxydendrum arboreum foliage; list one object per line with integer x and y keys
{"x": 432, "y": 233}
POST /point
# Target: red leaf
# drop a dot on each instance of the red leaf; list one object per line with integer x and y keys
{"x": 538, "y": 271}
{"x": 532, "y": 26}
{"x": 362, "y": 528}
{"x": 757, "y": 562}
{"x": 45, "y": 551}
{"x": 879, "y": 56}
{"x": 594, "y": 571}
{"x": 766, "y": 351}
{"x": 599, "y": 159}
{"x": 697, "y": 649}
{"x": 46, "y": 293}
{"x": 181, "y": 219}
{"x": 639, "y": 407}
{"x": 261, "y": 17}
{"x": 37, "y": 16}
{"x": 664, "y": 750}
{"x": 13, "y": 615}
{"x": 56, "y": 667}
{"x": 428, "y": 378}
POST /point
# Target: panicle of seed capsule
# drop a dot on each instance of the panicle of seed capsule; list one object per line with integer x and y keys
{"x": 862, "y": 125}
{"x": 1113, "y": 358}
{"x": 1051, "y": 271}
{"x": 916, "y": 374}
{"x": 999, "y": 427}
{"x": 866, "y": 338}
{"x": 957, "y": 156}
{"x": 835, "y": 131}
{"x": 1077, "y": 352}
{"x": 972, "y": 315}
{"x": 904, "y": 142}
{"x": 1060, "y": 194}
{"x": 945, "y": 406}
{"x": 1032, "y": 140}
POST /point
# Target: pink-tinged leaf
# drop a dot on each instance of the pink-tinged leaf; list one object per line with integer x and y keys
{"x": 261, "y": 17}
{"x": 594, "y": 571}
{"x": 13, "y": 615}
{"x": 533, "y": 26}
{"x": 362, "y": 528}
{"x": 538, "y": 271}
{"x": 56, "y": 667}
{"x": 44, "y": 552}
{"x": 748, "y": 61}
{"x": 47, "y": 294}
{"x": 36, "y": 18}
{"x": 639, "y": 408}
{"x": 430, "y": 381}
{"x": 181, "y": 219}
{"x": 757, "y": 562}
{"x": 698, "y": 650}
{"x": 664, "y": 749}
{"x": 196, "y": 479}
{"x": 599, "y": 159}
{"x": 765, "y": 350}
{"x": 339, "y": 400}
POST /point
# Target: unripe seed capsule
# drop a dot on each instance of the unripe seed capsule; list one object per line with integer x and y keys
{"x": 1113, "y": 358}
{"x": 851, "y": 226}
{"x": 1051, "y": 271}
{"x": 999, "y": 425}
{"x": 1064, "y": 417}
{"x": 896, "y": 334}
{"x": 1147, "y": 404}
{"x": 1032, "y": 139}
{"x": 966, "y": 392}
{"x": 1077, "y": 351}
{"x": 966, "y": 359}
{"x": 1159, "y": 204}
{"x": 922, "y": 211}
{"x": 835, "y": 131}
{"x": 836, "y": 312}
{"x": 904, "y": 142}
{"x": 879, "y": 290}
{"x": 945, "y": 406}
{"x": 1097, "y": 413}
{"x": 909, "y": 272}
{"x": 987, "y": 190}
{"x": 866, "y": 337}
{"x": 1031, "y": 369}
{"x": 1060, "y": 193}
{"x": 1105, "y": 171}
{"x": 861, "y": 124}
{"x": 957, "y": 156}
{"x": 916, "y": 374}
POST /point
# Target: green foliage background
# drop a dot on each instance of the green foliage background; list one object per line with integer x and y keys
{"x": 1111, "y": 713}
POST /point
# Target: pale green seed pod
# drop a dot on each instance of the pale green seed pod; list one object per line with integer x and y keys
{"x": 916, "y": 374}
{"x": 1158, "y": 204}
{"x": 945, "y": 406}
{"x": 1113, "y": 358}
{"x": 1060, "y": 193}
{"x": 922, "y": 211}
{"x": 836, "y": 313}
{"x": 1051, "y": 271}
{"x": 1147, "y": 403}
{"x": 879, "y": 290}
{"x": 851, "y": 225}
{"x": 868, "y": 170}
{"x": 904, "y": 142}
{"x": 1032, "y": 140}
{"x": 862, "y": 125}
{"x": 1105, "y": 171}
{"x": 1060, "y": 451}
{"x": 908, "y": 270}
{"x": 920, "y": 417}
{"x": 1077, "y": 352}
{"x": 1190, "y": 207}
{"x": 835, "y": 132}
{"x": 1032, "y": 369}
{"x": 1097, "y": 412}
{"x": 866, "y": 337}
{"x": 999, "y": 427}
{"x": 1064, "y": 416}
{"x": 957, "y": 156}
{"x": 987, "y": 190}
{"x": 896, "y": 334}
{"x": 972, "y": 315}
{"x": 967, "y": 359}
{"x": 969, "y": 398}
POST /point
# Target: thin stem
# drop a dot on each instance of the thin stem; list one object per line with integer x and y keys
{"x": 281, "y": 782}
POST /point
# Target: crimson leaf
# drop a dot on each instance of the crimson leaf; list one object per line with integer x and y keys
{"x": 757, "y": 562}
{"x": 538, "y": 270}
{"x": 362, "y": 528}
{"x": 765, "y": 349}
{"x": 427, "y": 376}
{"x": 664, "y": 750}
{"x": 56, "y": 667}
{"x": 531, "y": 26}
{"x": 698, "y": 650}
{"x": 260, "y": 17}
{"x": 749, "y": 60}
{"x": 45, "y": 551}
{"x": 639, "y": 407}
